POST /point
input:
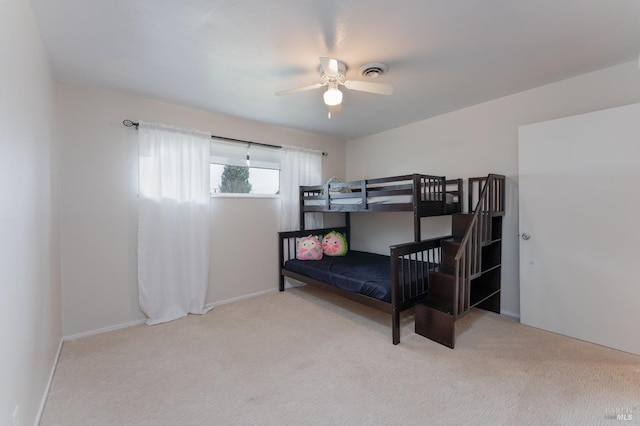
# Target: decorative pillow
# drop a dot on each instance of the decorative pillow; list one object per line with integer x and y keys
{"x": 308, "y": 248}
{"x": 337, "y": 180}
{"x": 334, "y": 244}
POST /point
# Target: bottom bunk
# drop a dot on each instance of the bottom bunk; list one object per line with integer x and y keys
{"x": 391, "y": 284}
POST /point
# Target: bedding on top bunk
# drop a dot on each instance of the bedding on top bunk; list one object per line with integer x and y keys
{"x": 360, "y": 272}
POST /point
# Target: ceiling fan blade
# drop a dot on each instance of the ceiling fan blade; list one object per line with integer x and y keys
{"x": 329, "y": 66}
{"x": 366, "y": 86}
{"x": 299, "y": 89}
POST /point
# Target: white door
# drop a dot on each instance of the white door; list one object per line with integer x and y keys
{"x": 579, "y": 190}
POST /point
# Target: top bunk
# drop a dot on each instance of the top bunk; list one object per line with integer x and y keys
{"x": 425, "y": 195}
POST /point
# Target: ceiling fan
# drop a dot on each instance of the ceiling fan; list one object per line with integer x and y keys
{"x": 332, "y": 75}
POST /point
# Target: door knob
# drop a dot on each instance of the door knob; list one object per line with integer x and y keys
{"x": 526, "y": 235}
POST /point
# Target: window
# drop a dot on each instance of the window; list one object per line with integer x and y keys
{"x": 244, "y": 169}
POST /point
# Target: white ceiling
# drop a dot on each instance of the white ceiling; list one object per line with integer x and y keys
{"x": 231, "y": 56}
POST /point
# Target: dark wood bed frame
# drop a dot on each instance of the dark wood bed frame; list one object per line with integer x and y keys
{"x": 403, "y": 295}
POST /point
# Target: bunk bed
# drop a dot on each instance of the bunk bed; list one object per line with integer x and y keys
{"x": 392, "y": 283}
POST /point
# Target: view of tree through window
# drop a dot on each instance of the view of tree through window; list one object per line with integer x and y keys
{"x": 244, "y": 180}
{"x": 235, "y": 180}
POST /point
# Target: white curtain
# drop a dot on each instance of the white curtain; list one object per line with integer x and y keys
{"x": 173, "y": 221}
{"x": 298, "y": 166}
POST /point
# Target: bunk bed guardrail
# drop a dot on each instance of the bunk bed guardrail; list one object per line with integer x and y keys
{"x": 468, "y": 259}
{"x": 429, "y": 188}
{"x": 424, "y": 195}
{"x": 411, "y": 263}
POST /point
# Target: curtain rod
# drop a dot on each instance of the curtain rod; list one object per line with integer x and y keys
{"x": 129, "y": 123}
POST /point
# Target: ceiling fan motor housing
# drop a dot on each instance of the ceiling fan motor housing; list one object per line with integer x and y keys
{"x": 342, "y": 68}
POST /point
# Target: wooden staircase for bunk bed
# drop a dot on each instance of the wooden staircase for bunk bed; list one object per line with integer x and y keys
{"x": 468, "y": 273}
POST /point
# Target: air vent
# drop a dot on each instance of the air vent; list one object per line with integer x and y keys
{"x": 373, "y": 70}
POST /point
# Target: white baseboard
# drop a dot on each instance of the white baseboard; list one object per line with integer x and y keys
{"x": 236, "y": 299}
{"x": 103, "y": 330}
{"x": 48, "y": 387}
{"x": 511, "y": 314}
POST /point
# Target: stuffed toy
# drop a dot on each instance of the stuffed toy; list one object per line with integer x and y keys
{"x": 338, "y": 180}
{"x": 334, "y": 244}
{"x": 308, "y": 248}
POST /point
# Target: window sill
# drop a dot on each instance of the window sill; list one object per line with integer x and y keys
{"x": 230, "y": 195}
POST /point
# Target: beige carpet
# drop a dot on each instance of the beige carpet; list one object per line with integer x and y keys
{"x": 305, "y": 357}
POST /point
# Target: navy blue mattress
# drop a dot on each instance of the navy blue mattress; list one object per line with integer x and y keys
{"x": 357, "y": 271}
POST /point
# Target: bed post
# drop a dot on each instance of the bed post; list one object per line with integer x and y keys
{"x": 281, "y": 258}
{"x": 347, "y": 224}
{"x": 417, "y": 234}
{"x": 395, "y": 313}
{"x": 395, "y": 325}
{"x": 301, "y": 205}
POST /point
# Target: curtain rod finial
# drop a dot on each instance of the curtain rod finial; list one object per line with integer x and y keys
{"x": 129, "y": 123}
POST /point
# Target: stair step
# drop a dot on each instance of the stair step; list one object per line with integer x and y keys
{"x": 449, "y": 249}
{"x": 441, "y": 287}
{"x": 459, "y": 224}
{"x": 452, "y": 273}
{"x": 443, "y": 307}
{"x": 435, "y": 325}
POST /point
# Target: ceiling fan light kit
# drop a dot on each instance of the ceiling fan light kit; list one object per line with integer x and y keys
{"x": 332, "y": 74}
{"x": 332, "y": 97}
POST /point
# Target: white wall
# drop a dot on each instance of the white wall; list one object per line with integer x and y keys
{"x": 30, "y": 318}
{"x": 476, "y": 141}
{"x": 99, "y": 207}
